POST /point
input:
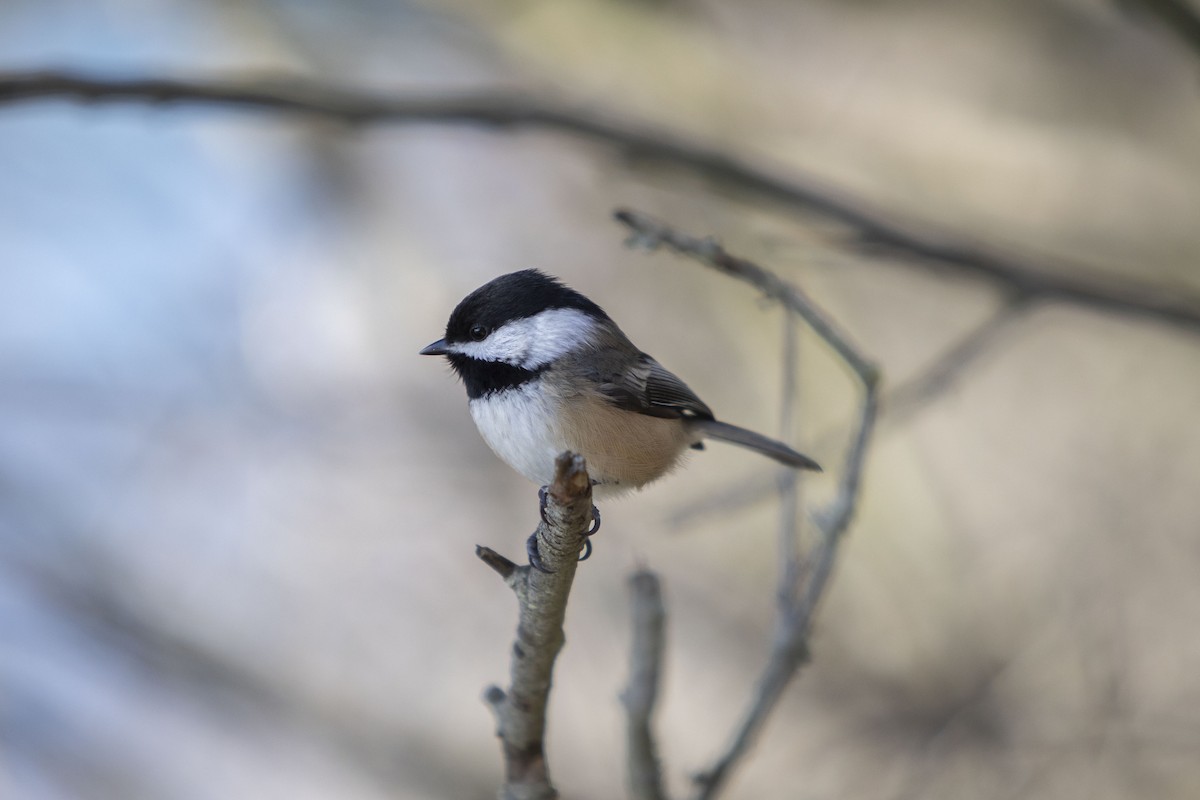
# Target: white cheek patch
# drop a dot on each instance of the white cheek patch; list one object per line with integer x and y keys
{"x": 534, "y": 341}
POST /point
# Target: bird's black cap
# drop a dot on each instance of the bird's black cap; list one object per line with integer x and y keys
{"x": 514, "y": 296}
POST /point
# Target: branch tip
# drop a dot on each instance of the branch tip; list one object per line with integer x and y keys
{"x": 494, "y": 695}
{"x": 571, "y": 478}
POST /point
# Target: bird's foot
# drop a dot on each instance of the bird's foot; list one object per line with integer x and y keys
{"x": 587, "y": 536}
{"x": 532, "y": 542}
{"x": 535, "y": 558}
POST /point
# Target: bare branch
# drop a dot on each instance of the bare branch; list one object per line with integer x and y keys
{"x": 800, "y": 591}
{"x": 640, "y": 695}
{"x": 542, "y": 599}
{"x": 790, "y": 650}
{"x": 648, "y": 233}
{"x": 498, "y": 111}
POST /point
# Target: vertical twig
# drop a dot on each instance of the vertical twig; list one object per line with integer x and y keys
{"x": 542, "y": 599}
{"x": 641, "y": 693}
{"x": 790, "y": 558}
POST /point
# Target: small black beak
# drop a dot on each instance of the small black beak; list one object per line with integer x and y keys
{"x": 438, "y": 348}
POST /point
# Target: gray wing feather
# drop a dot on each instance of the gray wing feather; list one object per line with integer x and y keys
{"x": 649, "y": 388}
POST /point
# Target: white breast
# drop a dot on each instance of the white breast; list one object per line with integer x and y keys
{"x": 518, "y": 425}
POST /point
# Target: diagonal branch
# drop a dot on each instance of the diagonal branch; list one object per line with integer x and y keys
{"x": 500, "y": 111}
{"x": 542, "y": 599}
{"x": 800, "y": 590}
{"x": 905, "y": 399}
{"x": 648, "y": 233}
{"x": 898, "y": 404}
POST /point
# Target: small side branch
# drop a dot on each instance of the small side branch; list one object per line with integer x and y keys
{"x": 907, "y": 398}
{"x": 542, "y": 599}
{"x": 899, "y": 403}
{"x": 802, "y": 585}
{"x": 640, "y": 695}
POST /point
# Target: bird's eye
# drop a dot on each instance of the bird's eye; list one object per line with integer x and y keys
{"x": 479, "y": 333}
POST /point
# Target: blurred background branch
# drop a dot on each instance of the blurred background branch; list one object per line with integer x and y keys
{"x": 1177, "y": 16}
{"x": 873, "y": 231}
{"x": 643, "y": 767}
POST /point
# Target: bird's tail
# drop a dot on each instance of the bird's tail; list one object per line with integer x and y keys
{"x": 779, "y": 451}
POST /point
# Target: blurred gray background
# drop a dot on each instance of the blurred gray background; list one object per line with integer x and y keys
{"x": 237, "y": 511}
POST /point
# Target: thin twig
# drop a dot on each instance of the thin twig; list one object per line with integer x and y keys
{"x": 641, "y": 693}
{"x": 649, "y": 234}
{"x": 542, "y": 599}
{"x": 500, "y": 111}
{"x": 789, "y": 650}
{"x": 906, "y": 398}
{"x": 790, "y": 558}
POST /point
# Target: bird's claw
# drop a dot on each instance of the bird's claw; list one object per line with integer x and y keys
{"x": 587, "y": 536}
{"x": 535, "y": 558}
{"x": 542, "y": 503}
{"x": 531, "y": 544}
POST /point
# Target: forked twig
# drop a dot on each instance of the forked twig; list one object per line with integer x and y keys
{"x": 800, "y": 591}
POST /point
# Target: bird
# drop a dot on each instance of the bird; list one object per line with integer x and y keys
{"x": 547, "y": 370}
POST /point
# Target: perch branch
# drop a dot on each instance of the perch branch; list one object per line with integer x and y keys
{"x": 645, "y": 668}
{"x": 499, "y": 111}
{"x": 800, "y": 591}
{"x": 542, "y": 599}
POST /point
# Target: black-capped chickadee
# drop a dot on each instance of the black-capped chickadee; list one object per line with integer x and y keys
{"x": 546, "y": 370}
